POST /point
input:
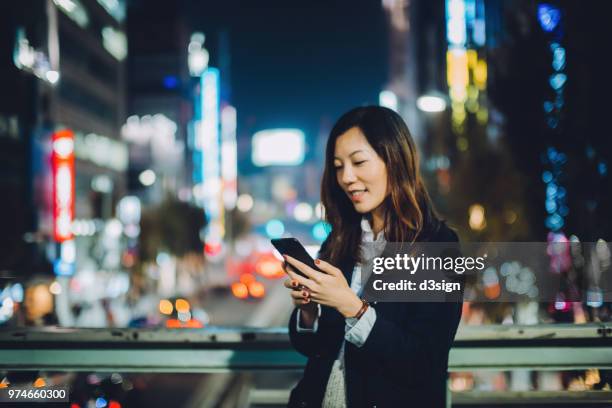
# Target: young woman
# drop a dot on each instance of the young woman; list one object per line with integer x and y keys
{"x": 360, "y": 354}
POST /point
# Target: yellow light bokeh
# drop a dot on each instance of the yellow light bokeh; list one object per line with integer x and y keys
{"x": 472, "y": 106}
{"x": 480, "y": 75}
{"x": 462, "y": 144}
{"x": 257, "y": 289}
{"x": 39, "y": 383}
{"x": 458, "y": 97}
{"x": 466, "y": 75}
{"x": 477, "y": 218}
{"x": 240, "y": 290}
{"x": 482, "y": 115}
{"x": 472, "y": 58}
{"x": 457, "y": 74}
{"x": 269, "y": 267}
{"x": 165, "y": 307}
{"x": 182, "y": 306}
{"x": 472, "y": 92}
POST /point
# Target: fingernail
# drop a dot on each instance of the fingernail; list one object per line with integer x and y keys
{"x": 285, "y": 257}
{"x": 306, "y": 300}
{"x": 317, "y": 261}
{"x": 304, "y": 293}
{"x": 294, "y": 284}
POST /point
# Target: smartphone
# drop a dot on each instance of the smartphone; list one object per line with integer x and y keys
{"x": 293, "y": 248}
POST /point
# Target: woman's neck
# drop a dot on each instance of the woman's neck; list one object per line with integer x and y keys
{"x": 377, "y": 221}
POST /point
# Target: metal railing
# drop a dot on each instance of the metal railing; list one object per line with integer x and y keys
{"x": 222, "y": 350}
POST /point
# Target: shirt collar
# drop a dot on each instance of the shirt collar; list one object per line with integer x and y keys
{"x": 365, "y": 225}
{"x": 368, "y": 234}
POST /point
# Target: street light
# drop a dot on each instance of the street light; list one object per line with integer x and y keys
{"x": 388, "y": 99}
{"x": 431, "y": 103}
{"x": 147, "y": 177}
{"x": 198, "y": 57}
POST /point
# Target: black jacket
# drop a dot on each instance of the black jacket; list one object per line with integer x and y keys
{"x": 403, "y": 362}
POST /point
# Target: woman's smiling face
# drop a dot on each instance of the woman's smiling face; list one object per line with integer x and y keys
{"x": 360, "y": 172}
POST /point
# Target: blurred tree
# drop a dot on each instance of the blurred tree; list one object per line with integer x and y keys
{"x": 173, "y": 226}
{"x": 238, "y": 224}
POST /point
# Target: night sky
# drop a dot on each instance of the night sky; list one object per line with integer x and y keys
{"x": 292, "y": 63}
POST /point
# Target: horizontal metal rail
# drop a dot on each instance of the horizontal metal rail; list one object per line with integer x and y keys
{"x": 495, "y": 347}
{"x": 476, "y": 398}
{"x": 532, "y": 398}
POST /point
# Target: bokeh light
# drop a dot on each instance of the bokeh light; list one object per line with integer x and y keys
{"x": 165, "y": 307}
{"x": 275, "y": 228}
{"x": 240, "y": 290}
{"x": 477, "y": 218}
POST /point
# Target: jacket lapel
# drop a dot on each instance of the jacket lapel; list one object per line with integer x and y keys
{"x": 347, "y": 270}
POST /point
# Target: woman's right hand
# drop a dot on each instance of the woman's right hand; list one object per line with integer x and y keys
{"x": 301, "y": 299}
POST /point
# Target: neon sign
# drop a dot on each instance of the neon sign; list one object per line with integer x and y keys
{"x": 62, "y": 162}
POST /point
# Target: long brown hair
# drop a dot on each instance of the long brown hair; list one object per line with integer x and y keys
{"x": 409, "y": 213}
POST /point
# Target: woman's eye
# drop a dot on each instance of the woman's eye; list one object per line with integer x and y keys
{"x": 337, "y": 166}
{"x": 359, "y": 163}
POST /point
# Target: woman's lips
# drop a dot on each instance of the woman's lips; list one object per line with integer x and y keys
{"x": 357, "y": 196}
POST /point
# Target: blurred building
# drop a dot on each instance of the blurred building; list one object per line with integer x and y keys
{"x": 90, "y": 99}
{"x": 181, "y": 126}
{"x": 510, "y": 155}
{"x": 439, "y": 80}
{"x": 164, "y": 90}
{"x": 61, "y": 115}
{"x": 63, "y": 63}
{"x": 402, "y": 85}
{"x": 160, "y": 101}
{"x": 416, "y": 86}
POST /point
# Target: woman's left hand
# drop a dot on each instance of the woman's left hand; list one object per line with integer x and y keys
{"x": 328, "y": 288}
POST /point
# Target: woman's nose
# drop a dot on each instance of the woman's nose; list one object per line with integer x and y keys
{"x": 347, "y": 176}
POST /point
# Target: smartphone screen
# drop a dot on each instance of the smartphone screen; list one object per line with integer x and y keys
{"x": 293, "y": 248}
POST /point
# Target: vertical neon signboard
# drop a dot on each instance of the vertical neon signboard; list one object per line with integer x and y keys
{"x": 211, "y": 171}
{"x": 466, "y": 66}
{"x": 62, "y": 163}
{"x": 229, "y": 157}
{"x": 211, "y": 157}
{"x": 455, "y": 23}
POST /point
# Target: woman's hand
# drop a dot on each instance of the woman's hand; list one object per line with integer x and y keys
{"x": 301, "y": 299}
{"x": 328, "y": 288}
